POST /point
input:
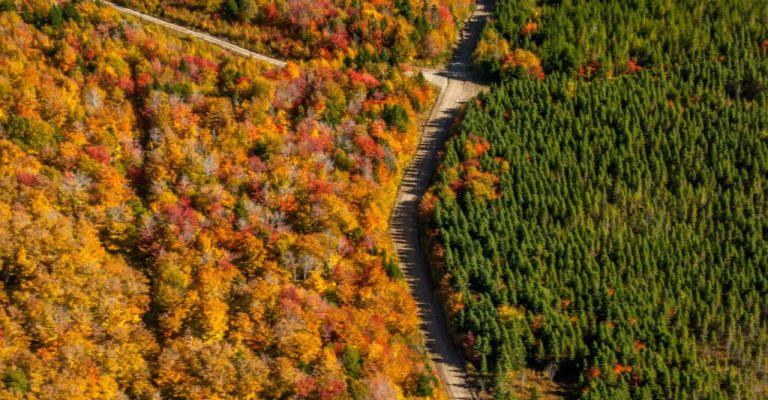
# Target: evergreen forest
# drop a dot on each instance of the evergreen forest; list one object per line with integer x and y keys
{"x": 598, "y": 222}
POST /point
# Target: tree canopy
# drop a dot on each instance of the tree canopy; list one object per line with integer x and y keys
{"x": 179, "y": 223}
{"x": 362, "y": 33}
{"x": 599, "y": 216}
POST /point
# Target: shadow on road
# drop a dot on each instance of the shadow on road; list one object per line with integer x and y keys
{"x": 459, "y": 85}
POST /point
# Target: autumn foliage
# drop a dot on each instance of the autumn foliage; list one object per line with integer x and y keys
{"x": 359, "y": 32}
{"x": 179, "y": 223}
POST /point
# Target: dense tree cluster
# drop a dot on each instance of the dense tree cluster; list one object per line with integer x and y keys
{"x": 610, "y": 232}
{"x": 616, "y": 232}
{"x": 177, "y": 223}
{"x": 362, "y": 33}
{"x": 606, "y": 38}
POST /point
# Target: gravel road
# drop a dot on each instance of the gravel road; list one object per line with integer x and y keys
{"x": 458, "y": 86}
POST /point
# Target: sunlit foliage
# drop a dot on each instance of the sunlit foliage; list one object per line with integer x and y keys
{"x": 176, "y": 222}
{"x": 362, "y": 33}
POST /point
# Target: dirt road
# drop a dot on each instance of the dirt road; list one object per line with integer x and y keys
{"x": 458, "y": 86}
{"x": 199, "y": 35}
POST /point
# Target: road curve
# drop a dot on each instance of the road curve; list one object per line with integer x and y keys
{"x": 458, "y": 86}
{"x": 198, "y": 35}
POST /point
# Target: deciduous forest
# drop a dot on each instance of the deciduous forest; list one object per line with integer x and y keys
{"x": 176, "y": 222}
{"x": 598, "y": 223}
{"x": 360, "y": 33}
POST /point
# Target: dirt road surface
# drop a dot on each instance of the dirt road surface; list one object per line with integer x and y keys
{"x": 458, "y": 86}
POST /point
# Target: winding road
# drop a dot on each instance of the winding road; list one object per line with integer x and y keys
{"x": 458, "y": 85}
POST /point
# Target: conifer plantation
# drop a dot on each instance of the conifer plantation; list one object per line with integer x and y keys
{"x": 599, "y": 218}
